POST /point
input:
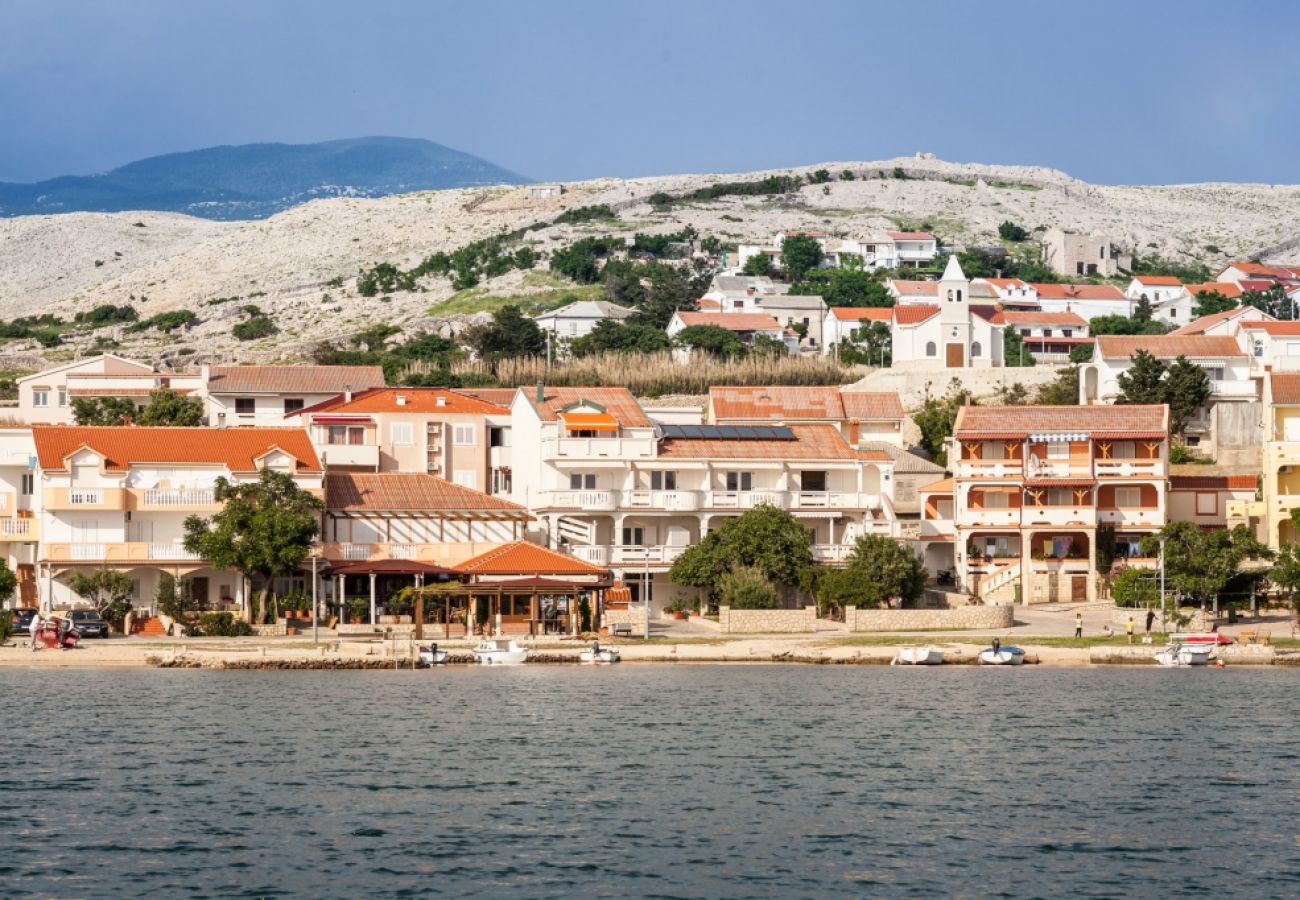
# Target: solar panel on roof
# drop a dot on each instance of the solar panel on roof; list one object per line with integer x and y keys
{"x": 728, "y": 432}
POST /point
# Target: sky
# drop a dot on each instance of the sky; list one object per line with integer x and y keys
{"x": 1113, "y": 92}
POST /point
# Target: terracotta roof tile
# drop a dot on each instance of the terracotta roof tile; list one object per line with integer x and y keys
{"x": 1274, "y": 329}
{"x": 366, "y": 491}
{"x": 859, "y": 313}
{"x": 1078, "y": 291}
{"x": 294, "y": 379}
{"x": 1285, "y": 388}
{"x": 1226, "y": 288}
{"x": 1168, "y": 346}
{"x": 525, "y": 559}
{"x": 617, "y": 401}
{"x": 1024, "y": 420}
{"x": 810, "y": 442}
{"x": 1205, "y": 323}
{"x": 417, "y": 400}
{"x": 782, "y": 403}
{"x": 1212, "y": 482}
{"x": 911, "y": 235}
{"x": 238, "y": 449}
{"x": 915, "y": 288}
{"x": 500, "y": 396}
{"x": 1158, "y": 280}
{"x": 740, "y": 321}
{"x": 1042, "y": 318}
{"x": 943, "y": 486}
{"x": 914, "y": 315}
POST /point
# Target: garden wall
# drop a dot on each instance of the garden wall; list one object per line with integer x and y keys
{"x": 965, "y": 617}
{"x": 767, "y": 621}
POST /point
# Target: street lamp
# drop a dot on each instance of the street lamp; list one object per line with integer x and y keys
{"x": 315, "y": 607}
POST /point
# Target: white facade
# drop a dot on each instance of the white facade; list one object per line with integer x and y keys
{"x": 953, "y": 336}
{"x": 45, "y": 398}
{"x": 578, "y": 319}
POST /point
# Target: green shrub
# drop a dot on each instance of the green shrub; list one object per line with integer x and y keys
{"x": 223, "y": 624}
{"x": 747, "y": 587}
{"x": 166, "y": 321}
{"x": 254, "y": 328}
{"x": 1135, "y": 588}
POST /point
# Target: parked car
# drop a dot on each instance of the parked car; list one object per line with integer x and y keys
{"x": 22, "y": 619}
{"x": 88, "y": 623}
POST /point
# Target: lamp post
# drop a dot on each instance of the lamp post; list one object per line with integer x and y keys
{"x": 1163, "y": 626}
{"x": 315, "y": 607}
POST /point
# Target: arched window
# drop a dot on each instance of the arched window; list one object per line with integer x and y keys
{"x": 958, "y": 295}
{"x": 974, "y": 349}
{"x": 949, "y": 295}
{"x": 931, "y": 349}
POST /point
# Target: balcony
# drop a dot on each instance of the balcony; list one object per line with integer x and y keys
{"x": 1145, "y": 517}
{"x": 990, "y": 468}
{"x": 1000, "y": 517}
{"x": 122, "y": 552}
{"x": 668, "y": 501}
{"x": 13, "y": 529}
{"x": 175, "y": 500}
{"x": 1129, "y": 468}
{"x": 941, "y": 529}
{"x": 591, "y": 501}
{"x": 831, "y": 553}
{"x": 353, "y": 455}
{"x": 833, "y": 500}
{"x": 499, "y": 457}
{"x": 746, "y": 499}
{"x": 88, "y": 499}
{"x": 654, "y": 555}
{"x": 619, "y": 448}
{"x": 442, "y": 554}
{"x": 1059, "y": 515}
{"x": 597, "y": 554}
{"x": 1234, "y": 390}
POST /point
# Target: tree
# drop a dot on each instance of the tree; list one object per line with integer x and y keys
{"x": 510, "y": 333}
{"x": 101, "y": 410}
{"x": 1143, "y": 382}
{"x": 846, "y": 175}
{"x": 108, "y": 590}
{"x": 1210, "y": 302}
{"x": 1186, "y": 389}
{"x": 1142, "y": 312}
{"x": 758, "y": 264}
{"x": 1010, "y": 231}
{"x": 1134, "y": 588}
{"x": 166, "y": 407}
{"x": 712, "y": 339}
{"x": 265, "y": 528}
{"x": 1082, "y": 353}
{"x": 1123, "y": 325}
{"x": 1199, "y": 564}
{"x": 620, "y": 337}
{"x": 844, "y": 286}
{"x": 8, "y": 581}
{"x": 936, "y": 418}
{"x": 1105, "y": 548}
{"x": 671, "y": 290}
{"x": 1273, "y": 301}
{"x": 623, "y": 286}
{"x": 871, "y": 345}
{"x": 253, "y": 328}
{"x": 800, "y": 254}
{"x": 747, "y": 587}
{"x": 766, "y": 537}
{"x": 1286, "y": 570}
{"x": 1064, "y": 391}
{"x": 885, "y": 570}
{"x": 767, "y": 347}
{"x": 1014, "y": 352}
{"x": 821, "y": 176}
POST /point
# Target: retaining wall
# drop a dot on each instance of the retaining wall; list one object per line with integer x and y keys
{"x": 767, "y": 621}
{"x": 965, "y": 617}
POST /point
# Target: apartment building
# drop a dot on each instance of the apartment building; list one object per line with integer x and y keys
{"x": 614, "y": 489}
{"x": 862, "y": 417}
{"x": 1031, "y": 486}
{"x": 20, "y": 530}
{"x": 45, "y": 398}
{"x": 1280, "y": 481}
{"x": 264, "y": 395}
{"x": 1050, "y": 336}
{"x": 453, "y": 434}
{"x": 119, "y": 497}
{"x": 876, "y": 250}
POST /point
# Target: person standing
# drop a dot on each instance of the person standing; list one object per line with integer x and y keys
{"x": 1151, "y": 618}
{"x": 1130, "y": 628}
{"x": 1078, "y": 624}
{"x": 35, "y": 630}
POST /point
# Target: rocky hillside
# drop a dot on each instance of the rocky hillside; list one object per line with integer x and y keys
{"x": 300, "y": 266}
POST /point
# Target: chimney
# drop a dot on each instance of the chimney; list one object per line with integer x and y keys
{"x": 205, "y": 372}
{"x": 541, "y": 392}
{"x": 128, "y": 421}
{"x": 347, "y": 395}
{"x": 855, "y": 431}
{"x": 401, "y": 400}
{"x": 440, "y": 400}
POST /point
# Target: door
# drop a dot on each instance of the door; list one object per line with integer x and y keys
{"x": 27, "y": 591}
{"x": 199, "y": 591}
{"x": 956, "y": 356}
{"x": 1078, "y": 588}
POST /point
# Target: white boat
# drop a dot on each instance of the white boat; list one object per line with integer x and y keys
{"x": 918, "y": 656}
{"x": 432, "y": 656}
{"x": 1185, "y": 655}
{"x": 596, "y": 655}
{"x": 493, "y": 652}
{"x": 1002, "y": 656}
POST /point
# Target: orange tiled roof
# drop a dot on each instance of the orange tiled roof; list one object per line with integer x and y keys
{"x": 1019, "y": 421}
{"x": 375, "y": 491}
{"x": 915, "y": 288}
{"x": 238, "y": 449}
{"x": 523, "y": 558}
{"x": 1205, "y": 323}
{"x": 731, "y": 321}
{"x": 1250, "y": 268}
{"x": 1212, "y": 482}
{"x": 914, "y": 315}
{"x": 1226, "y": 288}
{"x": 617, "y": 401}
{"x": 1275, "y": 329}
{"x": 858, "y": 313}
{"x": 1168, "y": 346}
{"x": 1077, "y": 291}
{"x": 1158, "y": 280}
{"x": 911, "y": 235}
{"x": 499, "y": 396}
{"x": 781, "y": 403}
{"x": 1012, "y": 317}
{"x": 1005, "y": 283}
{"x": 1285, "y": 388}
{"x": 294, "y": 379}
{"x": 942, "y": 486}
{"x": 418, "y": 400}
{"x": 810, "y": 442}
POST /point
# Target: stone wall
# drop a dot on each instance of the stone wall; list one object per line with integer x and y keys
{"x": 767, "y": 621}
{"x": 633, "y": 615}
{"x": 965, "y": 617}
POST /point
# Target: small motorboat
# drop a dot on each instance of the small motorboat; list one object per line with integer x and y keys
{"x": 1178, "y": 654}
{"x": 493, "y": 652}
{"x": 918, "y": 656}
{"x": 596, "y": 655}
{"x": 1210, "y": 638}
{"x": 431, "y": 656}
{"x": 998, "y": 655}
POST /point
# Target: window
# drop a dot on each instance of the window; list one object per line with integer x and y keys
{"x": 996, "y": 500}
{"x": 29, "y": 484}
{"x": 975, "y": 349}
{"x": 1058, "y": 450}
{"x": 993, "y": 450}
{"x": 1173, "y": 313}
{"x": 958, "y": 295}
{"x": 931, "y": 349}
{"x": 1124, "y": 450}
{"x": 1067, "y": 332}
{"x": 339, "y": 435}
{"x": 812, "y": 481}
{"x": 463, "y": 436}
{"x": 740, "y": 481}
{"x": 1092, "y": 268}
{"x": 663, "y": 481}
{"x": 245, "y": 406}
{"x": 40, "y": 398}
{"x": 502, "y": 481}
{"x": 1047, "y": 332}
{"x": 1078, "y": 268}
{"x": 1101, "y": 251}
{"x": 949, "y": 295}
{"x": 633, "y": 536}
{"x": 1128, "y": 498}
{"x": 582, "y": 481}
{"x": 403, "y": 434}
{"x": 1207, "y": 504}
{"x": 1259, "y": 348}
{"x": 293, "y": 404}
{"x": 63, "y": 397}
{"x": 1024, "y": 332}
{"x": 465, "y": 478}
{"x": 498, "y": 437}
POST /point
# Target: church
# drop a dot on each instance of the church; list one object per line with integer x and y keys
{"x": 952, "y": 332}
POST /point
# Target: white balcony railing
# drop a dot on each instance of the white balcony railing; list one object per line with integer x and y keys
{"x": 599, "y": 448}
{"x": 85, "y": 497}
{"x": 1059, "y": 515}
{"x": 746, "y": 499}
{"x": 672, "y": 501}
{"x": 357, "y": 551}
{"x": 1233, "y": 389}
{"x": 1153, "y": 516}
{"x": 596, "y": 554}
{"x": 830, "y": 553}
{"x": 403, "y": 551}
{"x": 16, "y": 527}
{"x": 1006, "y": 515}
{"x": 833, "y": 500}
{"x": 179, "y": 497}
{"x": 366, "y": 455}
{"x": 652, "y": 555}
{"x": 171, "y": 551}
{"x": 87, "y": 551}
{"x": 593, "y": 501}
{"x": 1129, "y": 468}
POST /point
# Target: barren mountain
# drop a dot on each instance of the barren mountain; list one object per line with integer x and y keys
{"x": 300, "y": 266}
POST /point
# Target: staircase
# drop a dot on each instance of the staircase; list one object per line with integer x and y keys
{"x": 149, "y": 626}
{"x": 999, "y": 578}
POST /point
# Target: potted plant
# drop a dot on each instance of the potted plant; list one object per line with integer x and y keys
{"x": 680, "y": 607}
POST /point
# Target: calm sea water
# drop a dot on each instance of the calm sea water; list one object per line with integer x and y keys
{"x": 665, "y": 781}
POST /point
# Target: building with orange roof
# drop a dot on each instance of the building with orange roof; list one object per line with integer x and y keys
{"x": 954, "y": 332}
{"x": 1050, "y": 336}
{"x": 1280, "y": 461}
{"x": 1213, "y": 500}
{"x": 1226, "y": 323}
{"x": 264, "y": 395}
{"x": 746, "y": 326}
{"x": 1031, "y": 487}
{"x": 861, "y": 416}
{"x": 46, "y": 397}
{"x": 118, "y": 497}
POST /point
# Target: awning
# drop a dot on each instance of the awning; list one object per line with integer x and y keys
{"x": 341, "y": 420}
{"x": 590, "y": 421}
{"x": 1060, "y": 482}
{"x": 1129, "y": 436}
{"x": 389, "y": 567}
{"x": 1058, "y": 437}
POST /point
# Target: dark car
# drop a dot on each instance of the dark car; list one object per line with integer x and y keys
{"x": 22, "y": 619}
{"x": 88, "y": 623}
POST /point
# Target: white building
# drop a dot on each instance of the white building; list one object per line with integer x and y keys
{"x": 746, "y": 326}
{"x": 577, "y": 319}
{"x": 45, "y": 398}
{"x": 20, "y": 530}
{"x": 842, "y": 323}
{"x": 264, "y": 395}
{"x": 876, "y": 250}
{"x": 954, "y": 334}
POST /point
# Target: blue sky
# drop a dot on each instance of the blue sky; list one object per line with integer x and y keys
{"x": 1145, "y": 92}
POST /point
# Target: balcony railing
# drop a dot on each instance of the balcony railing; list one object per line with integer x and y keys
{"x": 87, "y": 551}
{"x": 831, "y": 553}
{"x": 1129, "y": 468}
{"x": 990, "y": 516}
{"x": 179, "y": 497}
{"x": 833, "y": 500}
{"x": 1230, "y": 389}
{"x": 171, "y": 551}
{"x": 599, "y": 448}
{"x": 594, "y": 501}
{"x": 85, "y": 497}
{"x": 671, "y": 501}
{"x": 640, "y": 555}
{"x": 1153, "y": 516}
{"x": 18, "y": 528}
{"x": 1059, "y": 515}
{"x": 596, "y": 554}
{"x": 746, "y": 499}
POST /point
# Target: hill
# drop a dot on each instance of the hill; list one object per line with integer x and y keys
{"x": 300, "y": 266}
{"x": 254, "y": 181}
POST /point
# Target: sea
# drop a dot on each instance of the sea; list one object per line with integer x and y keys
{"x": 651, "y": 781}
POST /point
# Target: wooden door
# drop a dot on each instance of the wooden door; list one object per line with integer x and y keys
{"x": 27, "y": 592}
{"x": 1079, "y": 588}
{"x": 956, "y": 355}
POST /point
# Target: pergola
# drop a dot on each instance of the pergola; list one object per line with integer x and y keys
{"x": 505, "y": 595}
{"x": 419, "y": 571}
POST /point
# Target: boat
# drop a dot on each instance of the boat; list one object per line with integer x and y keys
{"x": 493, "y": 652}
{"x": 918, "y": 656}
{"x": 596, "y": 655}
{"x": 1002, "y": 655}
{"x": 1178, "y": 654}
{"x": 431, "y": 656}
{"x": 1211, "y": 638}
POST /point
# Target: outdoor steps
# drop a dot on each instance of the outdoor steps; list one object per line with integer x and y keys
{"x": 151, "y": 626}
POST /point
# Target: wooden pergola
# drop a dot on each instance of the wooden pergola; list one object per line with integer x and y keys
{"x": 506, "y": 594}
{"x": 421, "y": 572}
